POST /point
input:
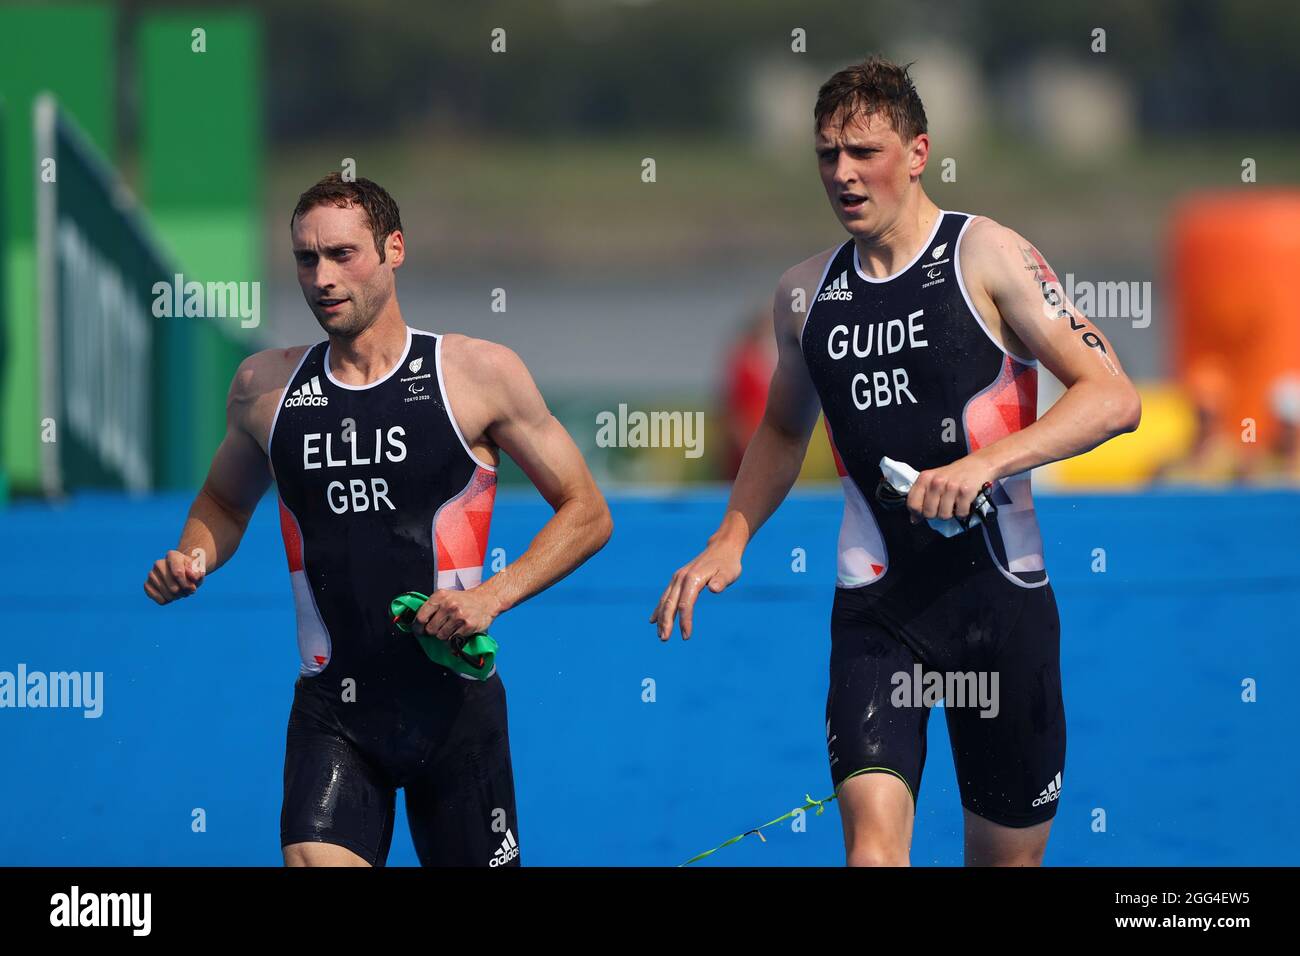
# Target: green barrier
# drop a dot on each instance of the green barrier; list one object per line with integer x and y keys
{"x": 4, "y": 308}
{"x": 99, "y": 266}
{"x": 68, "y": 50}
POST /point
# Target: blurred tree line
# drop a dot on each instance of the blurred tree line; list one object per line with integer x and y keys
{"x": 575, "y": 66}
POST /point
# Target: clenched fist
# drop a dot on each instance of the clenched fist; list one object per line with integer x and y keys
{"x": 449, "y": 614}
{"x": 175, "y": 576}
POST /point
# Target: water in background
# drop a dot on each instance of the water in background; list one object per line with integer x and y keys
{"x": 1198, "y": 596}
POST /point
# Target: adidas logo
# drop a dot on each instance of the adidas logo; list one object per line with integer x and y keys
{"x": 838, "y": 290}
{"x": 938, "y": 250}
{"x": 308, "y": 393}
{"x": 506, "y": 852}
{"x": 1051, "y": 793}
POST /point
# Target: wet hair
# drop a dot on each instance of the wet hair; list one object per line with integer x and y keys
{"x": 380, "y": 210}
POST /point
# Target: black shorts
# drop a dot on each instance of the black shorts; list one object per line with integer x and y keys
{"x": 996, "y": 662}
{"x": 447, "y": 747}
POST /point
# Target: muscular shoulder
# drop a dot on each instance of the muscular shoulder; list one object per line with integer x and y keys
{"x": 480, "y": 360}
{"x": 991, "y": 253}
{"x": 797, "y": 289}
{"x": 806, "y": 274}
{"x": 256, "y": 387}
{"x": 264, "y": 371}
{"x": 487, "y": 384}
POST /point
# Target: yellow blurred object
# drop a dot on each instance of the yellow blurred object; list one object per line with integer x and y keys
{"x": 1161, "y": 449}
{"x": 819, "y": 463}
{"x": 1167, "y": 431}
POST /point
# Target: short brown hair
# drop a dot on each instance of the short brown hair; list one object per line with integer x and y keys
{"x": 875, "y": 85}
{"x": 380, "y": 210}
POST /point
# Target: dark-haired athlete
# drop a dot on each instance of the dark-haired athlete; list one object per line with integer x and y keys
{"x": 921, "y": 342}
{"x": 383, "y": 443}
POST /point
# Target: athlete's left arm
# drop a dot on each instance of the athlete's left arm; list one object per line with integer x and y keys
{"x": 510, "y": 411}
{"x": 1004, "y": 272}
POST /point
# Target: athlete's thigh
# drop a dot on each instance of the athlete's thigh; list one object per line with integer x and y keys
{"x": 992, "y": 844}
{"x": 1009, "y": 743}
{"x": 461, "y": 805}
{"x": 333, "y": 794}
{"x": 870, "y": 729}
{"x": 877, "y": 814}
{"x": 321, "y": 854}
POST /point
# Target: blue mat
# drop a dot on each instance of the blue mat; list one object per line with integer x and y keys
{"x": 1199, "y": 594}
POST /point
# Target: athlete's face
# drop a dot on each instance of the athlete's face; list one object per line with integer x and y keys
{"x": 867, "y": 169}
{"x": 339, "y": 270}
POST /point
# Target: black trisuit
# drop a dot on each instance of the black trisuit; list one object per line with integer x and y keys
{"x": 906, "y": 369}
{"x": 380, "y": 494}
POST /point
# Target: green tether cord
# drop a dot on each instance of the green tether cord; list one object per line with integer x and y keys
{"x": 474, "y": 656}
{"x": 808, "y": 805}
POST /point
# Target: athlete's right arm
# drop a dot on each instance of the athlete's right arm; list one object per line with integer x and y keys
{"x": 772, "y": 459}
{"x": 237, "y": 479}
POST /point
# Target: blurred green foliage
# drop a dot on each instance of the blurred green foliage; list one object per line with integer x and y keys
{"x": 337, "y": 66}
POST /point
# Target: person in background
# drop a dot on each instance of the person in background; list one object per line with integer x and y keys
{"x": 748, "y": 368}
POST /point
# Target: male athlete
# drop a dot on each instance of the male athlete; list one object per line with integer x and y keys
{"x": 383, "y": 443}
{"x": 920, "y": 342}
